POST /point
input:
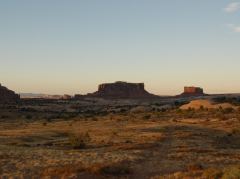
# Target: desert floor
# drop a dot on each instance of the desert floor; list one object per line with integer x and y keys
{"x": 124, "y": 145}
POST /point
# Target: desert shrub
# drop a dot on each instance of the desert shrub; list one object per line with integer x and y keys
{"x": 231, "y": 100}
{"x": 220, "y": 108}
{"x": 44, "y": 123}
{"x": 68, "y": 115}
{"x": 94, "y": 119}
{"x": 148, "y": 116}
{"x": 189, "y": 114}
{"x": 201, "y": 108}
{"x": 122, "y": 168}
{"x": 28, "y": 116}
{"x": 123, "y": 110}
{"x": 232, "y": 173}
{"x": 194, "y": 167}
{"x": 212, "y": 173}
{"x": 4, "y": 116}
{"x": 221, "y": 116}
{"x": 179, "y": 111}
{"x": 62, "y": 171}
{"x": 190, "y": 109}
{"x": 79, "y": 141}
{"x": 49, "y": 120}
{"x": 157, "y": 104}
{"x": 235, "y": 131}
{"x": 228, "y": 110}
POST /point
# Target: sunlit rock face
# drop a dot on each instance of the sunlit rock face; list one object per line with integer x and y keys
{"x": 122, "y": 90}
{"x": 192, "y": 91}
{"x": 7, "y": 95}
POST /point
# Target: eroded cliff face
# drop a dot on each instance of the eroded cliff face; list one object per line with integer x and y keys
{"x": 7, "y": 95}
{"x": 122, "y": 90}
{"x": 192, "y": 91}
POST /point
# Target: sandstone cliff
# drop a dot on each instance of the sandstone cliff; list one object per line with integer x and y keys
{"x": 7, "y": 95}
{"x": 122, "y": 90}
{"x": 192, "y": 91}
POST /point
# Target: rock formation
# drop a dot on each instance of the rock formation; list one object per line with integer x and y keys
{"x": 8, "y": 96}
{"x": 66, "y": 97}
{"x": 192, "y": 91}
{"x": 79, "y": 96}
{"x": 121, "y": 89}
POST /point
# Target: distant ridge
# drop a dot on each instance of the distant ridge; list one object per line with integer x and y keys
{"x": 43, "y": 96}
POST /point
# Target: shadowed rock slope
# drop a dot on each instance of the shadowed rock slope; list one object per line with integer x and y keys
{"x": 122, "y": 90}
{"x": 7, "y": 95}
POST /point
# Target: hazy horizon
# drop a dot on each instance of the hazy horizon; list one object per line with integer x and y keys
{"x": 70, "y": 47}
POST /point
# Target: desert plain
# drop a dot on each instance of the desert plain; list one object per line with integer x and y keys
{"x": 96, "y": 138}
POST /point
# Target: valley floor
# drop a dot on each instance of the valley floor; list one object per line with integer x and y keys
{"x": 141, "y": 145}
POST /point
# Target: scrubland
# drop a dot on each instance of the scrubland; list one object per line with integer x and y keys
{"x": 135, "y": 142}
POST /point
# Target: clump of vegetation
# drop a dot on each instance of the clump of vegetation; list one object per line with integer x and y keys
{"x": 235, "y": 131}
{"x": 194, "y": 167}
{"x": 231, "y": 100}
{"x": 60, "y": 171}
{"x": 28, "y": 116}
{"x": 94, "y": 119}
{"x": 122, "y": 168}
{"x": 179, "y": 111}
{"x": 79, "y": 141}
{"x": 221, "y": 116}
{"x": 44, "y": 123}
{"x": 4, "y": 117}
{"x": 231, "y": 173}
{"x": 228, "y": 110}
{"x": 212, "y": 173}
{"x": 189, "y": 113}
{"x": 148, "y": 116}
{"x": 67, "y": 116}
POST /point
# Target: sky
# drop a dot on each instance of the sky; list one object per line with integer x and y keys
{"x": 71, "y": 46}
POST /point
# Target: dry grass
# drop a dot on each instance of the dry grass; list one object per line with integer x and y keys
{"x": 167, "y": 144}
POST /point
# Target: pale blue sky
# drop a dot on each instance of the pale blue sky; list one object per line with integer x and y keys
{"x": 70, "y": 46}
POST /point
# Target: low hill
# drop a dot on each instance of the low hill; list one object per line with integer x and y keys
{"x": 196, "y": 104}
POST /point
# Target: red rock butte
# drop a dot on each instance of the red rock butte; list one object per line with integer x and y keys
{"x": 192, "y": 91}
{"x": 121, "y": 89}
{"x": 8, "y": 96}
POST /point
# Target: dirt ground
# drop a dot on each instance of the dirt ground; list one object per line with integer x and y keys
{"x": 127, "y": 145}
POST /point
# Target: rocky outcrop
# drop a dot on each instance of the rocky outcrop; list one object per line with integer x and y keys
{"x": 8, "y": 96}
{"x": 122, "y": 90}
{"x": 79, "y": 96}
{"x": 192, "y": 91}
{"x": 66, "y": 97}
